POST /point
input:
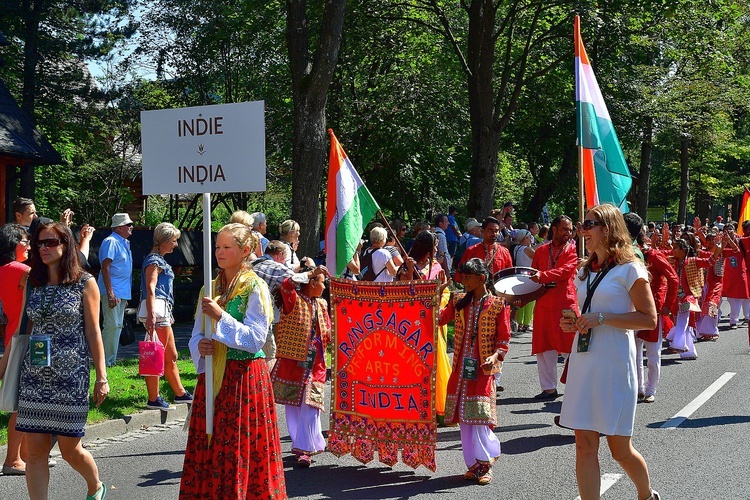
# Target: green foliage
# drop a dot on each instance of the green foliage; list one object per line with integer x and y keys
{"x": 398, "y": 101}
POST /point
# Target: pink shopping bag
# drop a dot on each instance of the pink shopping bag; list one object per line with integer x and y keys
{"x": 151, "y": 356}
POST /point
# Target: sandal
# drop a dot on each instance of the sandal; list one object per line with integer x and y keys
{"x": 303, "y": 461}
{"x": 471, "y": 474}
{"x": 485, "y": 478}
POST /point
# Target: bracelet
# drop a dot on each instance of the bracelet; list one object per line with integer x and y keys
{"x": 102, "y": 382}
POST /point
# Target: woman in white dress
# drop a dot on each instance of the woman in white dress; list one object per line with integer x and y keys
{"x": 602, "y": 384}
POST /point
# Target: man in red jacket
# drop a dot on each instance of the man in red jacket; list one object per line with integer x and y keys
{"x": 555, "y": 261}
{"x": 496, "y": 256}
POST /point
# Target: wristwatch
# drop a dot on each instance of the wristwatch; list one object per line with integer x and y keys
{"x": 601, "y": 318}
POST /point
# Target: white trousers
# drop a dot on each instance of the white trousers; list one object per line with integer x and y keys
{"x": 303, "y": 424}
{"x": 546, "y": 365}
{"x": 111, "y": 329}
{"x": 735, "y": 305}
{"x": 478, "y": 443}
{"x": 708, "y": 325}
{"x": 681, "y": 335}
{"x": 653, "y": 355}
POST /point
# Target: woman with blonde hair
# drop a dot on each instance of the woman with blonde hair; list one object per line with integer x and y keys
{"x": 242, "y": 458}
{"x": 157, "y": 287}
{"x": 602, "y": 382}
{"x": 289, "y": 234}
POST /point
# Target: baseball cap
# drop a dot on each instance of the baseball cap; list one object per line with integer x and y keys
{"x": 471, "y": 223}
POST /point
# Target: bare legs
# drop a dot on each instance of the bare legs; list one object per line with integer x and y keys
{"x": 171, "y": 373}
{"x": 587, "y": 464}
{"x": 16, "y": 445}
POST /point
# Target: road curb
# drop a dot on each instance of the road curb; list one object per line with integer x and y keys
{"x": 134, "y": 422}
{"x": 128, "y": 423}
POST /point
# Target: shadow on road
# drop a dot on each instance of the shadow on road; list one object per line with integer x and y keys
{"x": 371, "y": 483}
{"x": 699, "y": 423}
{"x": 531, "y": 444}
{"x": 160, "y": 477}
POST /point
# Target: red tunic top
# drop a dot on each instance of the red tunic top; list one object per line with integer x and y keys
{"x": 664, "y": 284}
{"x": 293, "y": 383}
{"x": 559, "y": 266}
{"x": 714, "y": 280}
{"x": 473, "y": 402}
{"x": 497, "y": 257}
{"x": 735, "y": 275}
{"x": 11, "y": 295}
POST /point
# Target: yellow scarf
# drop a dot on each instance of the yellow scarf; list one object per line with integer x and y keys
{"x": 242, "y": 285}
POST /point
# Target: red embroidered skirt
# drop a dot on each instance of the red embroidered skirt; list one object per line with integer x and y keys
{"x": 244, "y": 457}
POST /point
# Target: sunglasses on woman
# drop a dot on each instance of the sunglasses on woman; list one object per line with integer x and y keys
{"x": 588, "y": 224}
{"x": 48, "y": 242}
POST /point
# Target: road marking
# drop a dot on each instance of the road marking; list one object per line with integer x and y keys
{"x": 608, "y": 480}
{"x": 704, "y": 396}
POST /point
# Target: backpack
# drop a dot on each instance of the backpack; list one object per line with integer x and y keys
{"x": 513, "y": 252}
{"x": 460, "y": 249}
{"x": 366, "y": 270}
{"x": 3, "y": 320}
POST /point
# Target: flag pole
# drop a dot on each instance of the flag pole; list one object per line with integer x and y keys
{"x": 207, "y": 322}
{"x": 581, "y": 202}
{"x": 395, "y": 238}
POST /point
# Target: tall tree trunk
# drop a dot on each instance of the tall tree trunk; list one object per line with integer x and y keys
{"x": 311, "y": 77}
{"x": 684, "y": 177}
{"x": 31, "y": 12}
{"x": 485, "y": 142}
{"x": 645, "y": 169}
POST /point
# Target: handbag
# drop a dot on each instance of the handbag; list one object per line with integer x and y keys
{"x": 151, "y": 356}
{"x": 11, "y": 379}
{"x": 160, "y": 308}
{"x": 127, "y": 335}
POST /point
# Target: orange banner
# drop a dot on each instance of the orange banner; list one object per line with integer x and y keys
{"x": 383, "y": 383}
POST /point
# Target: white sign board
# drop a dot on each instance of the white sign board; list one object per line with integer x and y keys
{"x": 204, "y": 149}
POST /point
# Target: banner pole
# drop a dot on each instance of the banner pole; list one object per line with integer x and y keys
{"x": 395, "y": 238}
{"x": 207, "y": 322}
{"x": 581, "y": 202}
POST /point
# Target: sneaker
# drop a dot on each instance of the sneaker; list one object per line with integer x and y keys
{"x": 185, "y": 398}
{"x": 547, "y": 395}
{"x": 654, "y": 495}
{"x": 641, "y": 396}
{"x": 158, "y": 404}
{"x": 650, "y": 398}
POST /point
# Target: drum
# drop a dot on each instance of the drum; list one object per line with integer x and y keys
{"x": 514, "y": 283}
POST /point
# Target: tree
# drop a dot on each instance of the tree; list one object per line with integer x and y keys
{"x": 502, "y": 46}
{"x": 311, "y": 71}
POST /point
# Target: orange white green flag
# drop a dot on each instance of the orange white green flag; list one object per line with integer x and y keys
{"x": 606, "y": 175}
{"x": 349, "y": 208}
{"x": 744, "y": 209}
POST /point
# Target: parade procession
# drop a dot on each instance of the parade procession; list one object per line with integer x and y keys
{"x": 373, "y": 250}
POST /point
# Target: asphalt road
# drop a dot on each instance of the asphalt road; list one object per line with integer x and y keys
{"x": 706, "y": 456}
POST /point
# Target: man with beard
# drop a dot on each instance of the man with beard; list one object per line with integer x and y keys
{"x": 555, "y": 262}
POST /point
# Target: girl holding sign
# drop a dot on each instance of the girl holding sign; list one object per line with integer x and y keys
{"x": 482, "y": 334}
{"x": 242, "y": 458}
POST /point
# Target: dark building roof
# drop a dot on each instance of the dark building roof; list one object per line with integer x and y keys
{"x": 18, "y": 136}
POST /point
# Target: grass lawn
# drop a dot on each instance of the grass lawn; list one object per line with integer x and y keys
{"x": 127, "y": 391}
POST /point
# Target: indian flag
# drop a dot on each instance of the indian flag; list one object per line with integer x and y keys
{"x": 605, "y": 172}
{"x": 350, "y": 208}
{"x": 744, "y": 209}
